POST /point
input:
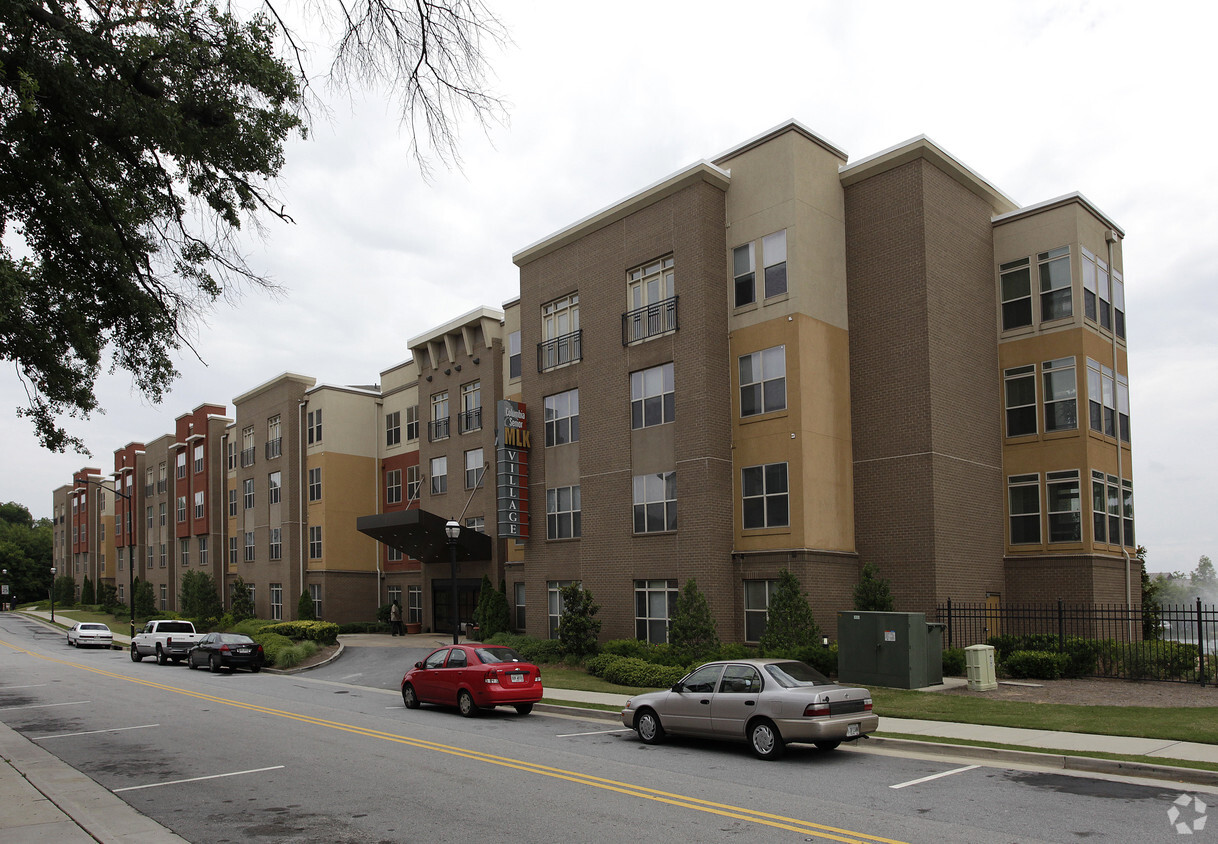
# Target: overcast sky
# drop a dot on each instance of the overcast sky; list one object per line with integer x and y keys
{"x": 1041, "y": 99}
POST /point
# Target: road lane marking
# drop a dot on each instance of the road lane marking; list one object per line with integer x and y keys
{"x": 198, "y": 779}
{"x": 936, "y": 776}
{"x": 697, "y": 804}
{"x": 46, "y": 705}
{"x": 94, "y": 732}
{"x": 594, "y": 733}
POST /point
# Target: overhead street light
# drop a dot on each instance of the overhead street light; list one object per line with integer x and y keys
{"x": 453, "y": 531}
{"x": 52, "y": 594}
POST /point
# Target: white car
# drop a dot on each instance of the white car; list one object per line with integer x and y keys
{"x": 90, "y": 634}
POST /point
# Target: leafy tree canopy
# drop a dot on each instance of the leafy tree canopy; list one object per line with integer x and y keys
{"x": 577, "y": 628}
{"x": 25, "y": 553}
{"x": 873, "y": 593}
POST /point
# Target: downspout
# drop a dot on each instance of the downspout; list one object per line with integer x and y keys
{"x": 1111, "y": 239}
{"x": 300, "y": 495}
{"x": 377, "y": 472}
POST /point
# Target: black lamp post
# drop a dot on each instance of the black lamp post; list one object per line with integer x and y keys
{"x": 52, "y": 594}
{"x": 453, "y": 531}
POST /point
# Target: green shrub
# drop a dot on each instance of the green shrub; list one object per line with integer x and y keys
{"x": 323, "y": 632}
{"x": 789, "y": 622}
{"x": 540, "y": 651}
{"x": 251, "y": 626}
{"x": 1036, "y": 665}
{"x": 578, "y": 629}
{"x": 819, "y": 657}
{"x": 953, "y": 662}
{"x": 364, "y": 627}
{"x": 628, "y": 647}
{"x": 304, "y": 607}
{"x": 631, "y": 671}
{"x": 692, "y": 632}
{"x": 281, "y": 651}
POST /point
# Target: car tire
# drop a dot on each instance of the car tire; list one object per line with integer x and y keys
{"x": 256, "y": 667}
{"x": 161, "y": 659}
{"x": 524, "y": 708}
{"x": 136, "y": 656}
{"x": 69, "y": 641}
{"x": 409, "y": 697}
{"x": 826, "y": 745}
{"x": 191, "y": 664}
{"x": 765, "y": 740}
{"x": 213, "y": 664}
{"x": 466, "y": 705}
{"x": 647, "y": 725}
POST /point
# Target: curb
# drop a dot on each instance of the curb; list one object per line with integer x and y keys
{"x": 325, "y": 661}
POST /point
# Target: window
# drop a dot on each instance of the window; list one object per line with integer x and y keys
{"x": 247, "y": 446}
{"x": 315, "y": 484}
{"x": 563, "y": 517}
{"x": 757, "y": 595}
{"x": 562, "y": 418}
{"x": 473, "y": 468}
{"x": 471, "y": 407}
{"x": 560, "y": 333}
{"x": 393, "y": 428}
{"x": 274, "y": 487}
{"x": 439, "y": 475}
{"x": 1023, "y": 493}
{"x": 148, "y": 488}
{"x": 203, "y": 550}
{"x": 393, "y": 486}
{"x": 765, "y": 493}
{"x": 476, "y": 523}
{"x": 393, "y": 555}
{"x": 1096, "y": 304}
{"x": 161, "y": 484}
{"x": 774, "y": 253}
{"x": 275, "y": 549}
{"x": 655, "y": 502}
{"x": 438, "y": 428}
{"x": 232, "y": 550}
{"x": 149, "y": 518}
{"x": 1055, "y": 290}
{"x": 199, "y": 458}
{"x": 1015, "y": 279}
{"x": 164, "y": 555}
{"x": 413, "y": 481}
{"x": 651, "y": 301}
{"x": 1118, "y": 303}
{"x": 1122, "y": 388}
{"x": 274, "y": 438}
{"x": 151, "y": 555}
{"x": 412, "y": 422}
{"x": 414, "y": 604}
{"x": 514, "y": 355}
{"x": 1061, "y": 395}
{"x": 315, "y": 593}
{"x": 164, "y": 596}
{"x": 1114, "y": 511}
{"x": 184, "y": 551}
{"x": 200, "y": 504}
{"x": 1101, "y": 398}
{"x": 518, "y": 596}
{"x": 654, "y": 603}
{"x": 249, "y": 546}
{"x": 181, "y": 464}
{"x": 652, "y": 400}
{"x": 230, "y": 449}
{"x": 277, "y": 602}
{"x": 247, "y": 497}
{"x": 555, "y": 602}
{"x": 1127, "y": 511}
{"x": 763, "y": 381}
{"x": 744, "y": 275}
{"x": 394, "y": 594}
{"x": 314, "y": 425}
{"x": 162, "y": 514}
{"x": 1019, "y": 387}
{"x": 1064, "y": 503}
{"x": 232, "y": 502}
{"x": 315, "y": 542}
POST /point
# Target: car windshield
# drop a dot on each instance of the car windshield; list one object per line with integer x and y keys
{"x": 792, "y": 675}
{"x": 490, "y": 656}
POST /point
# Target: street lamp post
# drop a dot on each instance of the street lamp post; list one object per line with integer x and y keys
{"x": 52, "y": 594}
{"x": 453, "y": 531}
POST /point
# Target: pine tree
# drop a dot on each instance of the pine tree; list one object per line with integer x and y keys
{"x": 872, "y": 592}
{"x": 789, "y": 623}
{"x": 145, "y": 601}
{"x": 304, "y": 607}
{"x": 241, "y": 606}
{"x": 491, "y": 615}
{"x": 692, "y": 632}
{"x": 86, "y": 592}
{"x": 577, "y": 629}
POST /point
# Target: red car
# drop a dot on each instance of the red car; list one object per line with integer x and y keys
{"x": 473, "y": 677}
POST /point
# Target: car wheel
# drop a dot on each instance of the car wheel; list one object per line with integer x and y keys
{"x": 161, "y": 659}
{"x": 465, "y": 703}
{"x": 213, "y": 664}
{"x": 826, "y": 745}
{"x": 256, "y": 667}
{"x": 647, "y": 725}
{"x": 190, "y": 662}
{"x": 136, "y": 656}
{"x": 765, "y": 739}
{"x": 69, "y": 640}
{"x": 524, "y": 708}
{"x": 409, "y": 697}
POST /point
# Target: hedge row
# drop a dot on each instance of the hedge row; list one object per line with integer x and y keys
{"x": 322, "y": 632}
{"x": 1078, "y": 657}
{"x": 632, "y": 671}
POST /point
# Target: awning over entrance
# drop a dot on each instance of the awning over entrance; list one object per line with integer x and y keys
{"x": 420, "y": 534}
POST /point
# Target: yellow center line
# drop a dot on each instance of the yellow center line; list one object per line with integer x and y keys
{"x": 829, "y": 833}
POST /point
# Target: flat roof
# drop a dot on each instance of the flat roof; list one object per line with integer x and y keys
{"x": 452, "y": 325}
{"x": 1058, "y": 202}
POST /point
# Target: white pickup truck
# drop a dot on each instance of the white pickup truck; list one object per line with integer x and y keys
{"x": 164, "y": 639}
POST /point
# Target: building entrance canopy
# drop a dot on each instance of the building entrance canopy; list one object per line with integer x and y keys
{"x": 420, "y": 535}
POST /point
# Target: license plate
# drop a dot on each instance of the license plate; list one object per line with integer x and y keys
{"x": 243, "y": 650}
{"x": 852, "y": 730}
{"x": 517, "y": 677}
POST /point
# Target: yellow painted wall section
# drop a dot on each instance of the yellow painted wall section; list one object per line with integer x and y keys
{"x": 347, "y": 492}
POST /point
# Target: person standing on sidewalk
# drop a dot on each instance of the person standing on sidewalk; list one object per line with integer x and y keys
{"x": 395, "y": 619}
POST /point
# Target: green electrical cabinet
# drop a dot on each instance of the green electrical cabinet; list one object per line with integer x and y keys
{"x": 894, "y": 649}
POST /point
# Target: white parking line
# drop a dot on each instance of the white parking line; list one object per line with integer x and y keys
{"x": 45, "y": 705}
{"x": 595, "y": 733}
{"x": 197, "y": 779}
{"x": 94, "y": 732}
{"x": 936, "y": 776}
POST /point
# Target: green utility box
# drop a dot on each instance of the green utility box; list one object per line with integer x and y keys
{"x": 895, "y": 649}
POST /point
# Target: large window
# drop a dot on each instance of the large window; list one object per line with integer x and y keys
{"x": 200, "y": 505}
{"x": 655, "y": 502}
{"x": 314, "y": 426}
{"x": 181, "y": 463}
{"x": 315, "y": 594}
{"x": 181, "y": 508}
{"x": 1099, "y": 508}
{"x": 412, "y": 423}
{"x": 652, "y": 397}
{"x": 765, "y": 493}
{"x": 202, "y": 551}
{"x": 744, "y": 276}
{"x": 249, "y": 546}
{"x": 1015, "y": 280}
{"x": 413, "y": 480}
{"x": 562, "y": 418}
{"x": 232, "y": 505}
{"x": 232, "y": 552}
{"x": 184, "y": 552}
{"x": 276, "y": 601}
{"x": 774, "y": 255}
{"x": 274, "y": 438}
{"x": 1118, "y": 303}
{"x": 555, "y": 603}
{"x": 560, "y": 333}
{"x": 314, "y": 542}
{"x": 247, "y": 497}
{"x": 438, "y": 427}
{"x": 655, "y": 601}
{"x": 563, "y": 516}
{"x": 763, "y": 381}
{"x": 275, "y": 551}
{"x": 1101, "y": 398}
{"x": 247, "y": 446}
{"x": 1122, "y": 389}
{"x": 1023, "y": 493}
{"x": 393, "y": 486}
{"x": 393, "y": 428}
{"x": 1096, "y": 297}
{"x": 474, "y": 466}
{"x": 1019, "y": 388}
{"x": 651, "y": 301}
{"x": 1061, "y": 395}
{"x": 471, "y": 407}
{"x": 439, "y": 475}
{"x": 514, "y": 355}
{"x": 757, "y": 595}
{"x": 274, "y": 487}
{"x": 315, "y": 484}
{"x": 1056, "y": 294}
{"x": 198, "y": 458}
{"x": 1064, "y": 505}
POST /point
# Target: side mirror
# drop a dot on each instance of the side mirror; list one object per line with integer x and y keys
{"x": 418, "y": 664}
{"x": 677, "y": 687}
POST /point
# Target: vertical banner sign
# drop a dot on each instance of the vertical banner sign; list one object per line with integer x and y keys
{"x": 513, "y": 470}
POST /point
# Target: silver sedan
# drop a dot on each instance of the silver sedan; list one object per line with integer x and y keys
{"x": 766, "y": 702}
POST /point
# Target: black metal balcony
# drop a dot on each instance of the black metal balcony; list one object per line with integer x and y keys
{"x": 247, "y": 457}
{"x": 559, "y": 351}
{"x": 469, "y": 420}
{"x": 274, "y": 448}
{"x": 649, "y": 321}
{"x": 438, "y": 429}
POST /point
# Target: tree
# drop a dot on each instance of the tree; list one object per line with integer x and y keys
{"x": 492, "y": 615}
{"x": 692, "y": 631}
{"x": 107, "y": 597}
{"x": 199, "y": 598}
{"x": 145, "y": 600}
{"x": 26, "y": 548}
{"x": 1152, "y": 614}
{"x": 65, "y": 590}
{"x": 304, "y": 607}
{"x": 1203, "y": 577}
{"x": 577, "y": 629}
{"x": 872, "y": 592}
{"x": 86, "y": 592}
{"x": 789, "y": 623}
{"x": 241, "y": 605}
{"x": 139, "y": 138}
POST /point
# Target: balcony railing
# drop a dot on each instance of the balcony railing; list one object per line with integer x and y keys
{"x": 274, "y": 448}
{"x": 437, "y": 429}
{"x": 649, "y": 321}
{"x": 469, "y": 420}
{"x": 247, "y": 457}
{"x": 559, "y": 351}
{"x": 162, "y": 485}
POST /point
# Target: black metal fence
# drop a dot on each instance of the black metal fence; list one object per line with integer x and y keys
{"x": 1176, "y": 643}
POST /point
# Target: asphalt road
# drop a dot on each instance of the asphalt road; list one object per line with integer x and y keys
{"x": 333, "y": 756}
